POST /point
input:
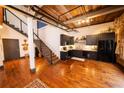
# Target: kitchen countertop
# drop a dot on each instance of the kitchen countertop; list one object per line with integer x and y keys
{"x": 80, "y": 50}
{"x": 86, "y": 50}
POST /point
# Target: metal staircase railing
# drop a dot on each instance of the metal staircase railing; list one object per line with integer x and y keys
{"x": 19, "y": 25}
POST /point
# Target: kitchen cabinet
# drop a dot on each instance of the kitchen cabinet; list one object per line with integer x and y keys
{"x": 64, "y": 55}
{"x": 91, "y": 39}
{"x": 83, "y": 54}
{"x": 107, "y": 36}
{"x": 92, "y": 55}
{"x": 66, "y": 40}
{"x": 76, "y": 53}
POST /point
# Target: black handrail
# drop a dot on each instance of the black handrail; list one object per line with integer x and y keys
{"x": 41, "y": 41}
{"x": 15, "y": 16}
{"x": 45, "y": 46}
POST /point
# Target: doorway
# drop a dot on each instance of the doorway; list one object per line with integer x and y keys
{"x": 11, "y": 49}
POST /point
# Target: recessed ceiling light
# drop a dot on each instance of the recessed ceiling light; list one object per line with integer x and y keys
{"x": 91, "y": 19}
{"x": 87, "y": 20}
{"x": 83, "y": 21}
{"x": 79, "y": 22}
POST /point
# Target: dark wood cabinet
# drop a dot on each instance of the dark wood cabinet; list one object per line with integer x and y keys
{"x": 83, "y": 54}
{"x": 91, "y": 39}
{"x": 64, "y": 55}
{"x": 76, "y": 53}
{"x": 107, "y": 36}
{"x": 71, "y": 40}
{"x": 66, "y": 40}
{"x": 92, "y": 55}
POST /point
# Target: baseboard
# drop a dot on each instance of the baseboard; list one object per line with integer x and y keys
{"x": 22, "y": 57}
{"x": 14, "y": 59}
{"x": 33, "y": 70}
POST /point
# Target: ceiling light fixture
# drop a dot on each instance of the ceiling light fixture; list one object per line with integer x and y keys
{"x": 83, "y": 21}
{"x": 79, "y": 22}
{"x": 87, "y": 20}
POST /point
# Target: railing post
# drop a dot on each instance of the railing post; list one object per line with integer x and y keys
{"x": 51, "y": 56}
{"x": 31, "y": 44}
{"x": 21, "y": 25}
{"x": 5, "y": 15}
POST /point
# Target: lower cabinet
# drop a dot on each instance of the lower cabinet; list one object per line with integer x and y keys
{"x": 92, "y": 55}
{"x": 79, "y": 54}
{"x": 75, "y": 53}
{"x": 63, "y": 55}
{"x": 83, "y": 54}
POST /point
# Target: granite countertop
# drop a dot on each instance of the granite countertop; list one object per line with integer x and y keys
{"x": 93, "y": 50}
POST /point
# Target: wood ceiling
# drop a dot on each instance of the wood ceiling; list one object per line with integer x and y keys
{"x": 65, "y": 13}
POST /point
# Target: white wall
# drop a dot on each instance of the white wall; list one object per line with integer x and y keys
{"x": 51, "y": 36}
{"x": 9, "y": 33}
{"x": 95, "y": 29}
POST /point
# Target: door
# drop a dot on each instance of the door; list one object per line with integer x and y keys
{"x": 11, "y": 49}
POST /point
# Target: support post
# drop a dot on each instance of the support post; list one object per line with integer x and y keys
{"x": 1, "y": 51}
{"x": 31, "y": 44}
{"x": 35, "y": 27}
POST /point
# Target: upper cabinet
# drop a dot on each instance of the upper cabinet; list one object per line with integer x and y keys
{"x": 93, "y": 39}
{"x": 66, "y": 40}
{"x": 107, "y": 36}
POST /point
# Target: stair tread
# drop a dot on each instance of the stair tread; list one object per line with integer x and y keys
{"x": 54, "y": 62}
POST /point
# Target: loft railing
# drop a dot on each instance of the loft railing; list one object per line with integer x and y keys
{"x": 16, "y": 23}
{"x": 15, "y": 20}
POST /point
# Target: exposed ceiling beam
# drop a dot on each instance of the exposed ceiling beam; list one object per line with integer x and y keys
{"x": 92, "y": 24}
{"x": 97, "y": 13}
{"x": 63, "y": 9}
{"x": 69, "y": 11}
{"x": 45, "y": 14}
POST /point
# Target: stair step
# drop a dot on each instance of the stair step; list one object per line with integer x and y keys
{"x": 55, "y": 61}
{"x": 7, "y": 22}
{"x": 12, "y": 25}
{"x": 53, "y": 55}
{"x": 17, "y": 29}
{"x": 54, "y": 58}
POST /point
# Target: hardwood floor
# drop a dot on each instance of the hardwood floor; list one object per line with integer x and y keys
{"x": 71, "y": 73}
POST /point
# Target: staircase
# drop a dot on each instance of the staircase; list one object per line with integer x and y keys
{"x": 21, "y": 27}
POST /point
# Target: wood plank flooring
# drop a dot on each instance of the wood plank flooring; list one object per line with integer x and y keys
{"x": 66, "y": 74}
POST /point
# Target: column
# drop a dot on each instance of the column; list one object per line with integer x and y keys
{"x": 31, "y": 44}
{"x": 35, "y": 28}
{"x": 1, "y": 54}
